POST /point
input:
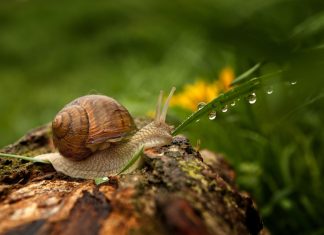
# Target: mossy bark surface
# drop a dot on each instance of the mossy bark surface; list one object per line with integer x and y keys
{"x": 178, "y": 191}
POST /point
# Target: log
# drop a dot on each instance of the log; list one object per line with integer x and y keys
{"x": 178, "y": 191}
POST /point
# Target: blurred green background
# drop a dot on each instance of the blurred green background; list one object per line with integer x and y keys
{"x": 54, "y": 51}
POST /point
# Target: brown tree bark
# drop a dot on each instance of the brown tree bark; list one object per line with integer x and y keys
{"x": 178, "y": 191}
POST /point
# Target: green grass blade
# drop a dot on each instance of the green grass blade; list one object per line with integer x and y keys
{"x": 101, "y": 180}
{"x": 31, "y": 159}
{"x": 244, "y": 76}
{"x": 132, "y": 161}
{"x": 219, "y": 102}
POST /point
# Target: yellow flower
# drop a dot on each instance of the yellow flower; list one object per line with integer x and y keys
{"x": 202, "y": 91}
{"x": 226, "y": 76}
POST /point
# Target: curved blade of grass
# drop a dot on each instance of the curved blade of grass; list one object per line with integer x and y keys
{"x": 217, "y": 103}
{"x": 31, "y": 159}
{"x": 244, "y": 76}
{"x": 132, "y": 161}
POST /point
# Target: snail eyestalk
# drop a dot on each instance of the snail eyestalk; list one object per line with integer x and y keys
{"x": 166, "y": 105}
{"x": 158, "y": 108}
{"x": 31, "y": 159}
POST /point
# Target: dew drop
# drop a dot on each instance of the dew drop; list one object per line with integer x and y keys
{"x": 225, "y": 108}
{"x": 252, "y": 98}
{"x": 293, "y": 83}
{"x": 233, "y": 103}
{"x": 198, "y": 120}
{"x": 270, "y": 91}
{"x": 212, "y": 115}
{"x": 201, "y": 105}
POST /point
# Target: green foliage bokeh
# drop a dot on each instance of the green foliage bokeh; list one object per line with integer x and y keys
{"x": 52, "y": 52}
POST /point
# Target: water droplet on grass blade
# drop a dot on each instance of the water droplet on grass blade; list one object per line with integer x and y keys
{"x": 212, "y": 115}
{"x": 293, "y": 83}
{"x": 233, "y": 103}
{"x": 201, "y": 105}
{"x": 225, "y": 108}
{"x": 252, "y": 98}
{"x": 270, "y": 91}
{"x": 198, "y": 120}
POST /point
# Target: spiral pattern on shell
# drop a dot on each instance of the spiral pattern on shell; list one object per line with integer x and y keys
{"x": 90, "y": 123}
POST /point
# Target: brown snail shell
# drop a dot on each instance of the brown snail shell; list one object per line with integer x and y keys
{"x": 90, "y": 123}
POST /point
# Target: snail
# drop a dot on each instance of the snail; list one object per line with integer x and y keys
{"x": 96, "y": 136}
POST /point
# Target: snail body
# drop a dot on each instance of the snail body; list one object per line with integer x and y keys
{"x": 109, "y": 150}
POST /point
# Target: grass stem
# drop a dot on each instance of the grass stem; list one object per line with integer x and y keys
{"x": 31, "y": 159}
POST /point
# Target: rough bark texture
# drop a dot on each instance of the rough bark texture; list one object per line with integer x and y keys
{"x": 178, "y": 191}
